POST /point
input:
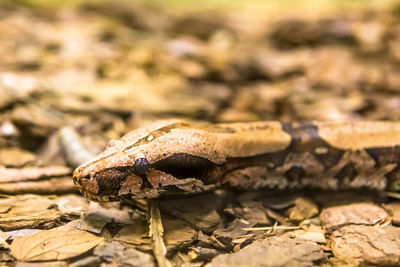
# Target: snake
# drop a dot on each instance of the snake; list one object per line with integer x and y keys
{"x": 178, "y": 157}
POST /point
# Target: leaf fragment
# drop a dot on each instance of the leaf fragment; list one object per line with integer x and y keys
{"x": 54, "y": 244}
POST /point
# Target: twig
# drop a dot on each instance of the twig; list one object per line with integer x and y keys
{"x": 74, "y": 150}
{"x": 156, "y": 232}
{"x": 393, "y": 195}
{"x": 275, "y": 227}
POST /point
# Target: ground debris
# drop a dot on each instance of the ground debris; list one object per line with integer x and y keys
{"x": 394, "y": 210}
{"x": 53, "y": 244}
{"x": 312, "y": 233}
{"x": 27, "y": 211}
{"x": 367, "y": 244}
{"x": 119, "y": 255}
{"x": 14, "y": 157}
{"x": 357, "y": 213}
{"x": 303, "y": 209}
{"x": 199, "y": 211}
{"x": 59, "y": 185}
{"x": 156, "y": 233}
{"x": 32, "y": 173}
{"x": 136, "y": 234}
{"x": 74, "y": 76}
{"x": 273, "y": 251}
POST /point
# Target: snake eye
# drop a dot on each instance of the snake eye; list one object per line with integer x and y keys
{"x": 141, "y": 165}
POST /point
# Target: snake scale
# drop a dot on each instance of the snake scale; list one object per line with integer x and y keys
{"x": 173, "y": 157}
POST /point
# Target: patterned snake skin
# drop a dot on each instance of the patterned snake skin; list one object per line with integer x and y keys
{"x": 177, "y": 157}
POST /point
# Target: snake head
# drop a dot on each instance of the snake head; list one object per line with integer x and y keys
{"x": 146, "y": 163}
{"x": 175, "y": 157}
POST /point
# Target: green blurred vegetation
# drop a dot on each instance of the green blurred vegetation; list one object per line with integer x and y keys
{"x": 264, "y": 5}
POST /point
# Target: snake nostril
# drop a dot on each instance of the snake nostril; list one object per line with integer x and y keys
{"x": 84, "y": 178}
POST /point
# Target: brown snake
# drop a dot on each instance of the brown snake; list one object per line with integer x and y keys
{"x": 177, "y": 157}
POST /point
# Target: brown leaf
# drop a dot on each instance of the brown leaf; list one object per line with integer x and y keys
{"x": 394, "y": 209}
{"x": 273, "y": 251}
{"x": 312, "y": 233}
{"x": 71, "y": 205}
{"x": 178, "y": 234}
{"x": 199, "y": 211}
{"x": 371, "y": 244}
{"x": 136, "y": 235}
{"x": 53, "y": 244}
{"x": 119, "y": 255}
{"x": 31, "y": 173}
{"x": 57, "y": 185}
{"x": 14, "y": 157}
{"x": 26, "y": 211}
{"x": 303, "y": 208}
{"x": 358, "y": 213}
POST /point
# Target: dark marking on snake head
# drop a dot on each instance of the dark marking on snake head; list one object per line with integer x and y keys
{"x": 109, "y": 180}
{"x": 295, "y": 173}
{"x": 305, "y": 137}
{"x": 347, "y": 174}
{"x": 183, "y": 165}
{"x": 385, "y": 155}
{"x": 393, "y": 178}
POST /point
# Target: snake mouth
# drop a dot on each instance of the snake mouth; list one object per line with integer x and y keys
{"x": 98, "y": 198}
{"x": 179, "y": 174}
{"x": 157, "y": 184}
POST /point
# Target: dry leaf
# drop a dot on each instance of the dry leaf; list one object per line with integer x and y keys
{"x": 57, "y": 185}
{"x": 357, "y": 213}
{"x": 71, "y": 205}
{"x": 136, "y": 235}
{"x": 273, "y": 251}
{"x": 15, "y": 157}
{"x": 26, "y": 211}
{"x": 53, "y": 244}
{"x": 117, "y": 254}
{"x": 31, "y": 173}
{"x": 368, "y": 244}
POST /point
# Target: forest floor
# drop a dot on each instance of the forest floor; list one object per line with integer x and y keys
{"x": 81, "y": 74}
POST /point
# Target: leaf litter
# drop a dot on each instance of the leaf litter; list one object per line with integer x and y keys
{"x": 75, "y": 77}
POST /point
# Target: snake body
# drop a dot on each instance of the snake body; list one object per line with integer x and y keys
{"x": 173, "y": 157}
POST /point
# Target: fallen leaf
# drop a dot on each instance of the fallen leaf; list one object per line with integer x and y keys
{"x": 94, "y": 222}
{"x": 57, "y": 185}
{"x": 27, "y": 211}
{"x": 368, "y": 244}
{"x": 357, "y": 213}
{"x": 53, "y": 244}
{"x": 303, "y": 208}
{"x": 394, "y": 209}
{"x": 31, "y": 173}
{"x": 14, "y": 157}
{"x": 273, "y": 251}
{"x": 136, "y": 235}
{"x": 120, "y": 255}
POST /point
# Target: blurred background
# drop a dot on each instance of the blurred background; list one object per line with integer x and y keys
{"x": 106, "y": 67}
{"x": 75, "y": 74}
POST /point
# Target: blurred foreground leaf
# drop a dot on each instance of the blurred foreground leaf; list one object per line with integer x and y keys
{"x": 53, "y": 244}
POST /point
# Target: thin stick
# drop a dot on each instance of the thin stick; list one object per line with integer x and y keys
{"x": 272, "y": 228}
{"x": 156, "y": 232}
{"x": 393, "y": 195}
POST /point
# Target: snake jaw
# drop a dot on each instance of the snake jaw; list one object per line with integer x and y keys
{"x": 98, "y": 198}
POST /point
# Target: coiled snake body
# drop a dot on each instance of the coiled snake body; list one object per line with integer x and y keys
{"x": 177, "y": 157}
